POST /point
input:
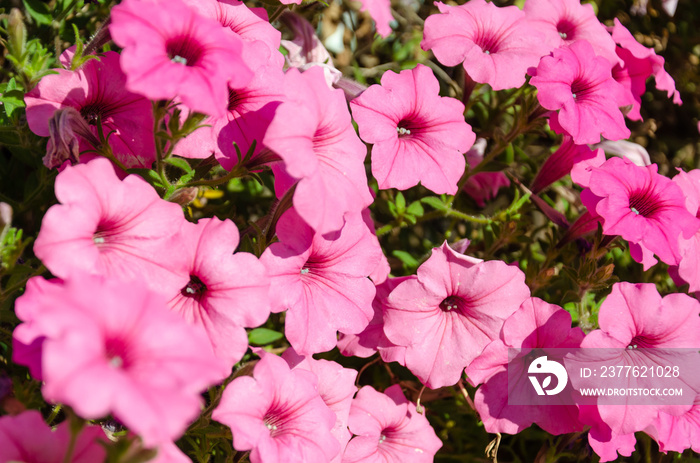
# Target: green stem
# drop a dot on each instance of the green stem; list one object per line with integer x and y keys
{"x": 235, "y": 173}
{"x": 65, "y": 12}
{"x": 17, "y": 286}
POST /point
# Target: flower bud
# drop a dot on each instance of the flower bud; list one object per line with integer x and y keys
{"x": 64, "y": 128}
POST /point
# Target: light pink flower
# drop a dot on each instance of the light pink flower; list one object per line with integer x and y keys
{"x": 641, "y": 206}
{"x": 313, "y": 133}
{"x": 373, "y": 339}
{"x": 561, "y": 162}
{"x": 482, "y": 186}
{"x": 27, "y": 438}
{"x": 418, "y": 135}
{"x": 450, "y": 312}
{"x": 636, "y": 315}
{"x": 248, "y": 114}
{"x": 637, "y": 64}
{"x": 677, "y": 433}
{"x": 689, "y": 263}
{"x": 97, "y": 90}
{"x": 562, "y": 22}
{"x": 580, "y": 85}
{"x": 496, "y": 45}
{"x": 103, "y": 225}
{"x": 221, "y": 292}
{"x": 388, "y": 428}
{"x": 278, "y": 414}
{"x": 536, "y": 324}
{"x": 380, "y": 11}
{"x": 626, "y": 149}
{"x": 321, "y": 280}
{"x": 114, "y": 347}
{"x": 171, "y": 51}
{"x": 336, "y": 385}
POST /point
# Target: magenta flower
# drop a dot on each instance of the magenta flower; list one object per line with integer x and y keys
{"x": 388, "y": 428}
{"x": 638, "y": 63}
{"x": 278, "y": 414}
{"x": 372, "y": 339}
{"x": 450, "y": 312}
{"x": 677, "y": 433}
{"x": 321, "y": 281}
{"x": 114, "y": 347}
{"x": 482, "y": 186}
{"x": 689, "y": 264}
{"x": 107, "y": 226}
{"x": 536, "y": 324}
{"x": 563, "y": 22}
{"x": 336, "y": 386}
{"x": 27, "y": 438}
{"x": 641, "y": 206}
{"x": 636, "y": 315}
{"x": 171, "y": 51}
{"x": 496, "y": 45}
{"x": 418, "y": 135}
{"x": 221, "y": 292}
{"x": 313, "y": 133}
{"x": 561, "y": 162}
{"x": 580, "y": 85}
{"x": 97, "y": 91}
{"x": 380, "y": 11}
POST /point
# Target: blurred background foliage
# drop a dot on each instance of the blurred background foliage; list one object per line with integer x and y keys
{"x": 576, "y": 275}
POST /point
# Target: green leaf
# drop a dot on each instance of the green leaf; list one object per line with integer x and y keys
{"x": 11, "y": 100}
{"x": 180, "y": 163}
{"x": 435, "y": 203}
{"x": 39, "y": 11}
{"x": 408, "y": 260}
{"x": 263, "y": 336}
{"x": 415, "y": 209}
{"x": 400, "y": 203}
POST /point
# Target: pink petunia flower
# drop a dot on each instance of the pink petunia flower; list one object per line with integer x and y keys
{"x": 171, "y": 51}
{"x": 278, "y": 414}
{"x": 562, "y": 22}
{"x": 97, "y": 91}
{"x": 561, "y": 162}
{"x": 305, "y": 50}
{"x": 321, "y": 281}
{"x": 372, "y": 339}
{"x": 114, "y": 347}
{"x": 387, "y": 428}
{"x": 495, "y": 45}
{"x": 107, "y": 226}
{"x": 380, "y": 11}
{"x": 336, "y": 385}
{"x": 221, "y": 292}
{"x": 580, "y": 85}
{"x": 636, "y": 315}
{"x": 418, "y": 135}
{"x": 689, "y": 249}
{"x": 536, "y": 324}
{"x": 678, "y": 433}
{"x": 450, "y": 312}
{"x": 483, "y": 186}
{"x": 312, "y": 131}
{"x": 643, "y": 207}
{"x": 637, "y": 64}
{"x": 27, "y": 438}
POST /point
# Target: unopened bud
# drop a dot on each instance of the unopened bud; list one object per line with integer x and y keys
{"x": 5, "y": 216}
{"x": 184, "y": 196}
{"x": 17, "y": 33}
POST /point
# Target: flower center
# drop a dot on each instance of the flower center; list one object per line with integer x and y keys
{"x": 184, "y": 50}
{"x": 194, "y": 288}
{"x": 566, "y": 29}
{"x": 643, "y": 203}
{"x": 234, "y": 99}
{"x": 488, "y": 42}
{"x": 273, "y": 422}
{"x": 382, "y": 438}
{"x": 639, "y": 341}
{"x": 581, "y": 88}
{"x": 92, "y": 113}
{"x": 116, "y": 353}
{"x": 405, "y": 129}
{"x": 451, "y": 303}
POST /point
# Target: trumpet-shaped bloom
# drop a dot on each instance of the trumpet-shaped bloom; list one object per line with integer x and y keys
{"x": 450, "y": 312}
{"x": 496, "y": 45}
{"x": 278, "y": 415}
{"x": 221, "y": 292}
{"x": 562, "y": 22}
{"x": 313, "y": 133}
{"x": 27, "y": 438}
{"x": 321, "y": 281}
{"x": 336, "y": 385}
{"x": 536, "y": 324}
{"x": 171, "y": 51}
{"x": 103, "y": 225}
{"x": 114, "y": 347}
{"x": 418, "y": 135}
{"x": 641, "y": 206}
{"x": 580, "y": 85}
{"x": 561, "y": 162}
{"x": 637, "y": 64}
{"x": 388, "y": 428}
{"x": 97, "y": 91}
